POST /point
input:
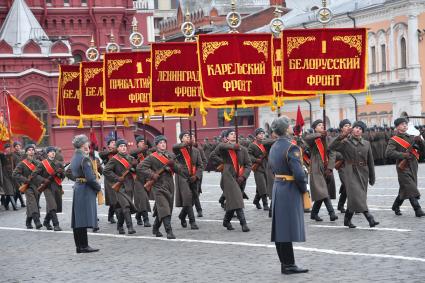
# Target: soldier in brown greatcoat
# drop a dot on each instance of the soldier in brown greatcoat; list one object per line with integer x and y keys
{"x": 359, "y": 170}
{"x": 401, "y": 147}
{"x": 9, "y": 189}
{"x": 160, "y": 168}
{"x": 18, "y": 155}
{"x": 22, "y": 174}
{"x": 204, "y": 159}
{"x": 141, "y": 196}
{"x": 322, "y": 164}
{"x": 189, "y": 159}
{"x": 110, "y": 195}
{"x": 121, "y": 168}
{"x": 344, "y": 126}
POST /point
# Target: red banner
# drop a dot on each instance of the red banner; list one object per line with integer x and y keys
{"x": 324, "y": 60}
{"x": 68, "y": 98}
{"x": 126, "y": 82}
{"x": 22, "y": 121}
{"x": 175, "y": 75}
{"x": 91, "y": 90}
{"x": 236, "y": 67}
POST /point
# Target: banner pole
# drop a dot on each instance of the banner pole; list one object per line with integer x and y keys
{"x": 195, "y": 125}
{"x": 144, "y": 128}
{"x": 324, "y": 111}
{"x": 163, "y": 122}
{"x": 236, "y": 122}
{"x": 115, "y": 129}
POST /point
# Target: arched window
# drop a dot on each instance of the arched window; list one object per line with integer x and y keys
{"x": 403, "y": 54}
{"x": 373, "y": 58}
{"x": 40, "y": 108}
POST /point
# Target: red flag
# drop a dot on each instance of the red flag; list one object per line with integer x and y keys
{"x": 22, "y": 121}
{"x": 93, "y": 140}
{"x": 299, "y": 122}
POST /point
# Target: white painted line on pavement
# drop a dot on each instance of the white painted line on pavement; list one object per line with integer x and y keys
{"x": 224, "y": 243}
{"x": 363, "y": 228}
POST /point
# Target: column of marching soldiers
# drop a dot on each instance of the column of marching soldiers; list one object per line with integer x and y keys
{"x": 150, "y": 172}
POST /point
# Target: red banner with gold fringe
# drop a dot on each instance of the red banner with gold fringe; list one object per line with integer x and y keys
{"x": 91, "y": 90}
{"x": 126, "y": 82}
{"x": 175, "y": 75}
{"x": 236, "y": 67}
{"x": 68, "y": 98}
{"x": 324, "y": 60}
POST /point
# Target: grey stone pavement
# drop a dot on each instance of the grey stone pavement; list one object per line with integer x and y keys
{"x": 393, "y": 252}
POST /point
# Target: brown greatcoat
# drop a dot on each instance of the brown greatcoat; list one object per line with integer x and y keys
{"x": 21, "y": 175}
{"x": 231, "y": 189}
{"x": 359, "y": 169}
{"x": 115, "y": 169}
{"x": 263, "y": 175}
{"x": 110, "y": 195}
{"x": 408, "y": 178}
{"x": 7, "y": 169}
{"x": 141, "y": 196}
{"x": 53, "y": 192}
{"x": 163, "y": 188}
{"x": 186, "y": 191}
{"x": 321, "y": 187}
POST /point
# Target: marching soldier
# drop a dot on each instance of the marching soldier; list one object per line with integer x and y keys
{"x": 110, "y": 196}
{"x": 289, "y": 185}
{"x": 197, "y": 202}
{"x": 258, "y": 155}
{"x": 322, "y": 164}
{"x": 6, "y": 158}
{"x": 22, "y": 174}
{"x": 120, "y": 172}
{"x": 344, "y": 126}
{"x": 359, "y": 169}
{"x": 53, "y": 174}
{"x": 86, "y": 188}
{"x": 159, "y": 168}
{"x": 17, "y": 157}
{"x": 189, "y": 159}
{"x": 406, "y": 149}
{"x": 236, "y": 169}
{"x": 141, "y": 196}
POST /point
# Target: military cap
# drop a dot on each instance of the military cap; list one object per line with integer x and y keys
{"x": 159, "y": 138}
{"x": 400, "y": 120}
{"x": 50, "y": 149}
{"x": 343, "y": 123}
{"x": 258, "y": 131}
{"x": 79, "y": 141}
{"x": 28, "y": 146}
{"x": 120, "y": 142}
{"x": 361, "y": 125}
{"x": 183, "y": 133}
{"x": 315, "y": 123}
{"x": 280, "y": 125}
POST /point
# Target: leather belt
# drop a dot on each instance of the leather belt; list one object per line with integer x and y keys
{"x": 284, "y": 177}
{"x": 81, "y": 180}
{"x": 357, "y": 163}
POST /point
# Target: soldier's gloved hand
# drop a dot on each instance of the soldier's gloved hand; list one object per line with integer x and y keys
{"x": 371, "y": 182}
{"x": 170, "y": 163}
{"x": 417, "y": 139}
{"x": 328, "y": 172}
{"x": 155, "y": 176}
{"x": 236, "y": 146}
{"x": 121, "y": 179}
{"x": 193, "y": 179}
{"x": 406, "y": 155}
{"x": 240, "y": 180}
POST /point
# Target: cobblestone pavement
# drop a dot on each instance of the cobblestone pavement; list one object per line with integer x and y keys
{"x": 394, "y": 251}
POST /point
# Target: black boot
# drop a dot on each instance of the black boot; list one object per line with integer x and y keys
{"x": 270, "y": 210}
{"x": 192, "y": 220}
{"x": 84, "y": 243}
{"x": 198, "y": 207}
{"x": 182, "y": 217}
{"x": 21, "y": 200}
{"x": 28, "y": 223}
{"x": 155, "y": 227}
{"x": 55, "y": 221}
{"x": 139, "y": 218}
{"x": 46, "y": 222}
{"x": 347, "y": 219}
{"x": 226, "y": 221}
{"x": 128, "y": 221}
{"x": 221, "y": 200}
{"x": 265, "y": 202}
{"x": 315, "y": 210}
{"x": 145, "y": 219}
{"x": 256, "y": 201}
{"x": 120, "y": 222}
{"x": 396, "y": 205}
{"x": 36, "y": 218}
{"x": 292, "y": 269}
{"x": 342, "y": 199}
{"x": 11, "y": 199}
{"x": 370, "y": 219}
{"x": 242, "y": 220}
{"x": 111, "y": 218}
{"x": 417, "y": 207}
{"x": 168, "y": 229}
{"x": 330, "y": 209}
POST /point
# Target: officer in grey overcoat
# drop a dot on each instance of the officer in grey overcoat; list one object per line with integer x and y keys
{"x": 289, "y": 186}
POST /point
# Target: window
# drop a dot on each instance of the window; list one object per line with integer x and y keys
{"x": 40, "y": 108}
{"x": 77, "y": 58}
{"x": 373, "y": 56}
{"x": 383, "y": 58}
{"x": 66, "y": 2}
{"x": 403, "y": 55}
{"x": 49, "y": 2}
{"x": 83, "y": 2}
